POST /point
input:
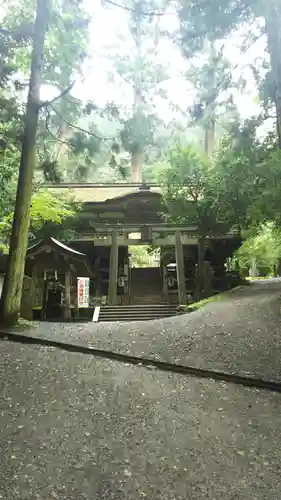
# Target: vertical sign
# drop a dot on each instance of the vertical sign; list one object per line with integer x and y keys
{"x": 83, "y": 291}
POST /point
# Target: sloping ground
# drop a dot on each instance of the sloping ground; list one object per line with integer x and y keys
{"x": 240, "y": 334}
{"x": 76, "y": 427}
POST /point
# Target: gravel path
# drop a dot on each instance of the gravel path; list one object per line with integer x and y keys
{"x": 74, "y": 427}
{"x": 240, "y": 334}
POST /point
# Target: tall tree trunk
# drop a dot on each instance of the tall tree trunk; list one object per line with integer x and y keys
{"x": 137, "y": 153}
{"x": 273, "y": 30}
{"x": 209, "y": 138}
{"x": 12, "y": 292}
{"x": 136, "y": 166}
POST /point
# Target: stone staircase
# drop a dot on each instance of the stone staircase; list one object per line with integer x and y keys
{"x": 136, "y": 312}
{"x": 147, "y": 299}
{"x": 146, "y": 286}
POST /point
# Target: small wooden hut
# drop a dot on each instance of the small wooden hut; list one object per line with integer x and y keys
{"x": 54, "y": 268}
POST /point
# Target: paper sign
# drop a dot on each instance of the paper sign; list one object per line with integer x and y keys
{"x": 83, "y": 292}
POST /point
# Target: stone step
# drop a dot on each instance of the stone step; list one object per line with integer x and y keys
{"x": 136, "y": 312}
{"x": 147, "y": 294}
{"x": 139, "y": 308}
{"x": 153, "y": 306}
{"x": 144, "y": 302}
{"x": 147, "y": 300}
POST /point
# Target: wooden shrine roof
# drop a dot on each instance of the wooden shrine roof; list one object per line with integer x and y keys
{"x": 77, "y": 260}
{"x": 100, "y": 193}
{"x": 55, "y": 244}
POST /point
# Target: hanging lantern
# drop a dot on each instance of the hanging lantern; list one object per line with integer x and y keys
{"x": 121, "y": 281}
{"x": 171, "y": 281}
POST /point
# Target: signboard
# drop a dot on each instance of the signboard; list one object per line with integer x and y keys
{"x": 83, "y": 292}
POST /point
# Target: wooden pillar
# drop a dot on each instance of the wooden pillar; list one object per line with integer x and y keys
{"x": 180, "y": 269}
{"x": 76, "y": 308}
{"x": 164, "y": 280}
{"x": 208, "y": 278}
{"x": 98, "y": 277}
{"x": 126, "y": 278}
{"x": 113, "y": 270}
{"x": 199, "y": 288}
{"x": 44, "y": 298}
{"x": 33, "y": 286}
{"x": 67, "y": 301}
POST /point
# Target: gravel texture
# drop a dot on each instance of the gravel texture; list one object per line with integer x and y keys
{"x": 240, "y": 334}
{"x": 76, "y": 427}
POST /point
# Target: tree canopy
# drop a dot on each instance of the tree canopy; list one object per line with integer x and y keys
{"x": 219, "y": 168}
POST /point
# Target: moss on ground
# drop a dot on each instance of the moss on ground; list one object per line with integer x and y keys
{"x": 24, "y": 324}
{"x": 258, "y": 278}
{"x": 201, "y": 303}
{"x": 197, "y": 305}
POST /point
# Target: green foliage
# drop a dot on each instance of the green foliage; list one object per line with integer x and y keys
{"x": 197, "y": 305}
{"x": 264, "y": 248}
{"x": 137, "y": 65}
{"x": 266, "y": 90}
{"x": 189, "y": 195}
{"x": 212, "y": 77}
{"x": 201, "y": 18}
{"x": 268, "y": 204}
{"x": 65, "y": 42}
{"x": 236, "y": 178}
{"x": 49, "y": 207}
{"x": 65, "y": 51}
{"x": 10, "y": 122}
{"x": 48, "y": 212}
{"x": 143, "y": 256}
{"x": 155, "y": 172}
{"x": 238, "y": 189}
{"x": 247, "y": 176}
{"x": 137, "y": 132}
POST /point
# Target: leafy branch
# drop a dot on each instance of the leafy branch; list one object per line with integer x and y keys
{"x": 84, "y": 131}
{"x": 139, "y": 12}
{"x": 55, "y": 137}
{"x": 62, "y": 94}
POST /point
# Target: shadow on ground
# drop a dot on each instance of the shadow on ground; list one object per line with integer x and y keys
{"x": 240, "y": 334}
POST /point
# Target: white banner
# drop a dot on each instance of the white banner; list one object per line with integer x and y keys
{"x": 83, "y": 292}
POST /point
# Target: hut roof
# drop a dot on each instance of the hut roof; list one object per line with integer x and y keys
{"x": 77, "y": 259}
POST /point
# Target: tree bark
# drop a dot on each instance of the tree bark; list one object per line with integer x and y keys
{"x": 137, "y": 155}
{"x": 180, "y": 269}
{"x": 273, "y": 30}
{"x": 136, "y": 166}
{"x": 209, "y": 138}
{"x": 12, "y": 292}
